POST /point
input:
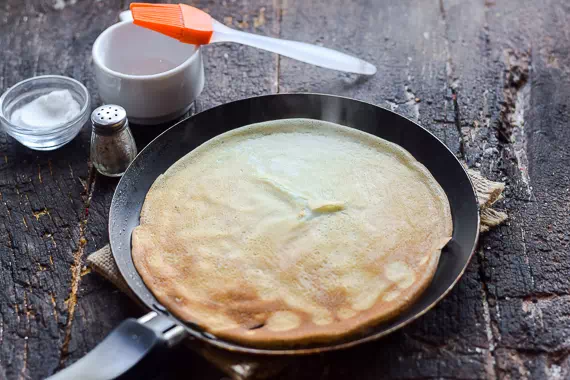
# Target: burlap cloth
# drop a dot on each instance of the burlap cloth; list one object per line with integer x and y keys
{"x": 239, "y": 366}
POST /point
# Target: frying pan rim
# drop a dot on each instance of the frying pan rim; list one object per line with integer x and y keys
{"x": 236, "y": 347}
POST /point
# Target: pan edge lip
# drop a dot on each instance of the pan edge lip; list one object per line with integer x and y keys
{"x": 235, "y": 347}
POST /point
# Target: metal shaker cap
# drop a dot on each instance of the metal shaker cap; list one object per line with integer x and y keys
{"x": 109, "y": 119}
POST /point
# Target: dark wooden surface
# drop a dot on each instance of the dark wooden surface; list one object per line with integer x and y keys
{"x": 490, "y": 78}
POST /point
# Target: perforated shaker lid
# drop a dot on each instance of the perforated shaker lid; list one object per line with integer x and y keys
{"x": 109, "y": 118}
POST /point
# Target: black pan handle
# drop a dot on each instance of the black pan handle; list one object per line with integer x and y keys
{"x": 120, "y": 355}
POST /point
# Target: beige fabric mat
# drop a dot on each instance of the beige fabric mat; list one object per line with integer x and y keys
{"x": 102, "y": 262}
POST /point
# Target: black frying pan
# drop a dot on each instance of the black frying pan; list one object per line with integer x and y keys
{"x": 122, "y": 351}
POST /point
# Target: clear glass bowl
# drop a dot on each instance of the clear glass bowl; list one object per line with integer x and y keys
{"x": 26, "y": 91}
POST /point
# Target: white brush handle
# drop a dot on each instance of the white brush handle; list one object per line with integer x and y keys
{"x": 313, "y": 54}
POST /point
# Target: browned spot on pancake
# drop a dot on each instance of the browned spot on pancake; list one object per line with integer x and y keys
{"x": 241, "y": 295}
{"x": 332, "y": 299}
{"x": 244, "y": 306}
{"x": 247, "y": 320}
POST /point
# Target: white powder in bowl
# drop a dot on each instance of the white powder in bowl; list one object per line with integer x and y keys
{"x": 50, "y": 110}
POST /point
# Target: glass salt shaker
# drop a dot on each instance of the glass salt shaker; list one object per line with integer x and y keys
{"x": 113, "y": 147}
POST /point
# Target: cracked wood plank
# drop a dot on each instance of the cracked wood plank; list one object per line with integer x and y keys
{"x": 512, "y": 85}
{"x": 42, "y": 206}
{"x": 78, "y": 259}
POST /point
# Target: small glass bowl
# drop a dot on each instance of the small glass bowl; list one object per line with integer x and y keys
{"x": 26, "y": 91}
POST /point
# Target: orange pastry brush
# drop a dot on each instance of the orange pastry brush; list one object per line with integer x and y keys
{"x": 193, "y": 26}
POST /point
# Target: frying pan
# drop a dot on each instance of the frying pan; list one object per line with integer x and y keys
{"x": 121, "y": 353}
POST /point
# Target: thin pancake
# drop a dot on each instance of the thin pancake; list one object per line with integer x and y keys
{"x": 291, "y": 231}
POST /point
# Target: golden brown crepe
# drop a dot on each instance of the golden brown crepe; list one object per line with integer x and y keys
{"x": 291, "y": 231}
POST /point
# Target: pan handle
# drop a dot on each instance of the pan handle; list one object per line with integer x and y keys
{"x": 120, "y": 355}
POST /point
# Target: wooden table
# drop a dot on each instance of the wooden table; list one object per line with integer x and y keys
{"x": 489, "y": 78}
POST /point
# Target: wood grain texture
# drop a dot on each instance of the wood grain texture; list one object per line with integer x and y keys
{"x": 513, "y": 102}
{"x": 44, "y": 195}
{"x": 489, "y": 78}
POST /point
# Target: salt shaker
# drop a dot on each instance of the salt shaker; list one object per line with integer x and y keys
{"x": 113, "y": 147}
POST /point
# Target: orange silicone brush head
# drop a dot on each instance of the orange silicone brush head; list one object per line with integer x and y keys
{"x": 183, "y": 22}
